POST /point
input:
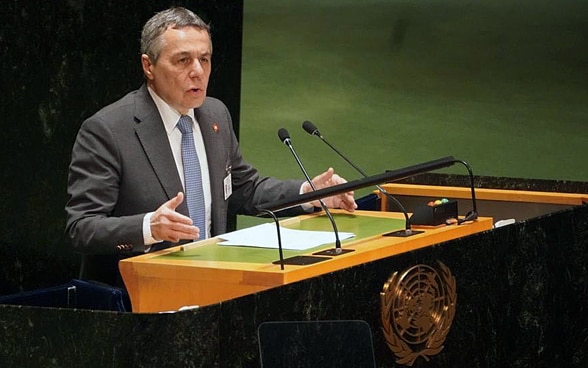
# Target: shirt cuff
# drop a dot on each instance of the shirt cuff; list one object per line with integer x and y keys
{"x": 306, "y": 207}
{"x": 148, "y": 238}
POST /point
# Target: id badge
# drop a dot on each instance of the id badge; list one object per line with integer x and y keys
{"x": 228, "y": 184}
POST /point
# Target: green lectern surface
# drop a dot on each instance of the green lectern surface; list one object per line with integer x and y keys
{"x": 362, "y": 226}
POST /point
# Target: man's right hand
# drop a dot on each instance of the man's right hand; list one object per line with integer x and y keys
{"x": 169, "y": 225}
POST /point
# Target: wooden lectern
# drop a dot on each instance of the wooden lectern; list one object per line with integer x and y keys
{"x": 204, "y": 273}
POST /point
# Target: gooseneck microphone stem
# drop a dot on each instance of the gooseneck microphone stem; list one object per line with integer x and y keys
{"x": 273, "y": 215}
{"x": 285, "y": 138}
{"x": 473, "y": 214}
{"x": 311, "y": 129}
{"x": 382, "y": 190}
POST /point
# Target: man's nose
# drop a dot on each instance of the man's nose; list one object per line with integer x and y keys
{"x": 197, "y": 69}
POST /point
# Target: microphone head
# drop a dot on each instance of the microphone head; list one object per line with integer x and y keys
{"x": 310, "y": 128}
{"x": 284, "y": 135}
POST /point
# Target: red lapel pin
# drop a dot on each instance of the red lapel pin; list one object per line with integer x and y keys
{"x": 215, "y": 127}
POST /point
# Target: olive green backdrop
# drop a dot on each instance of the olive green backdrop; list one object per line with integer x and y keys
{"x": 501, "y": 84}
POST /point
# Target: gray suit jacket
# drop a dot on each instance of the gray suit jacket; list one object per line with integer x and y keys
{"x": 122, "y": 167}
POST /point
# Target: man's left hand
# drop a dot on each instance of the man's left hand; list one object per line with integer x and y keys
{"x": 328, "y": 179}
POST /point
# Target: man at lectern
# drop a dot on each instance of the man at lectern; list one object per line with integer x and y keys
{"x": 162, "y": 165}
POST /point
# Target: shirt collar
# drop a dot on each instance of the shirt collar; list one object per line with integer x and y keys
{"x": 169, "y": 115}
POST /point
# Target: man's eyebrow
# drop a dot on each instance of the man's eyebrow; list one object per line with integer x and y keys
{"x": 188, "y": 53}
{"x": 182, "y": 53}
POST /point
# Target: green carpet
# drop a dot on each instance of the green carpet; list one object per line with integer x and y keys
{"x": 500, "y": 84}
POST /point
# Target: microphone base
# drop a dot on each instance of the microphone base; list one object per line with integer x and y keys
{"x": 301, "y": 260}
{"x": 333, "y": 252}
{"x": 403, "y": 233}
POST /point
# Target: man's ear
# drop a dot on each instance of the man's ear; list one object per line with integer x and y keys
{"x": 147, "y": 65}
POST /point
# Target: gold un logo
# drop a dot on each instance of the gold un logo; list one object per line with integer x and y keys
{"x": 417, "y": 309}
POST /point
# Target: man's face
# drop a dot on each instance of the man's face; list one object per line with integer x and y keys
{"x": 180, "y": 76}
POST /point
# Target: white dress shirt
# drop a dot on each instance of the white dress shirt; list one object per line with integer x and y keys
{"x": 170, "y": 119}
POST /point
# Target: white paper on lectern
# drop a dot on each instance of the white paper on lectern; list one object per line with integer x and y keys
{"x": 265, "y": 236}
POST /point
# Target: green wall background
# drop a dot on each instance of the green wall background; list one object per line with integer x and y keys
{"x": 500, "y": 84}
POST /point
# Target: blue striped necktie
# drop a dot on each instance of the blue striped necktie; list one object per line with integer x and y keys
{"x": 192, "y": 176}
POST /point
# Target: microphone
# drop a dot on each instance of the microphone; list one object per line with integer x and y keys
{"x": 285, "y": 138}
{"x": 311, "y": 129}
{"x": 277, "y": 222}
{"x": 473, "y": 214}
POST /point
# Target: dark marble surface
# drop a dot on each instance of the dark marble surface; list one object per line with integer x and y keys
{"x": 328, "y": 343}
{"x": 522, "y": 293}
{"x": 62, "y": 61}
{"x": 43, "y": 337}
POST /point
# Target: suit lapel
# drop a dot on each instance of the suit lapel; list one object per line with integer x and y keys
{"x": 153, "y": 137}
{"x": 214, "y": 149}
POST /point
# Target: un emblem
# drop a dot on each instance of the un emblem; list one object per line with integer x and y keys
{"x": 417, "y": 309}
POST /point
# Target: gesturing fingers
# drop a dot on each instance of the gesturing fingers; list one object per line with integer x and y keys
{"x": 169, "y": 225}
{"x": 323, "y": 180}
{"x": 167, "y": 228}
{"x": 173, "y": 203}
